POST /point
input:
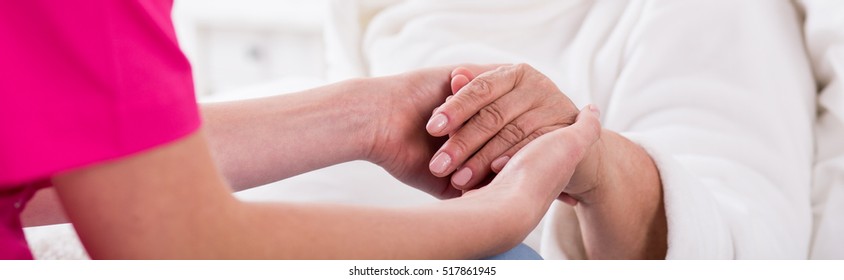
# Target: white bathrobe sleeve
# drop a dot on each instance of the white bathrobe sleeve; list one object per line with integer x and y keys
{"x": 824, "y": 33}
{"x": 720, "y": 95}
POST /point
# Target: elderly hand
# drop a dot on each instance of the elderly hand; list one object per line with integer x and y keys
{"x": 492, "y": 116}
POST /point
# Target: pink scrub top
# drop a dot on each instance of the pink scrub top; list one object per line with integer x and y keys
{"x": 83, "y": 82}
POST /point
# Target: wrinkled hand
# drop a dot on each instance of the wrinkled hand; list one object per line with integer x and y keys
{"x": 491, "y": 117}
{"x": 543, "y": 168}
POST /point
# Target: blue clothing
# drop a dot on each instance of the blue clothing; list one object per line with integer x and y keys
{"x": 520, "y": 252}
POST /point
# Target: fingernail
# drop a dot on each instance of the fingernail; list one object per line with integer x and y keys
{"x": 462, "y": 177}
{"x": 499, "y": 163}
{"x": 595, "y": 109}
{"x": 437, "y": 123}
{"x": 440, "y": 163}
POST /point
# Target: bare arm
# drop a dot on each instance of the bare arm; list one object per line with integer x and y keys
{"x": 381, "y": 120}
{"x": 259, "y": 141}
{"x": 170, "y": 202}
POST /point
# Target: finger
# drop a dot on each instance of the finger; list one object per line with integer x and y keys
{"x": 510, "y": 138}
{"x": 458, "y": 82}
{"x": 517, "y": 133}
{"x": 435, "y": 110}
{"x": 469, "y": 100}
{"x": 472, "y": 70}
{"x": 469, "y": 72}
{"x": 587, "y": 126}
{"x": 567, "y": 199}
{"x": 499, "y": 163}
{"x": 460, "y": 76}
{"x": 438, "y": 107}
{"x": 483, "y": 182}
{"x": 478, "y": 130}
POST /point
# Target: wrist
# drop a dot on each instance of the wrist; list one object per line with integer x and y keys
{"x": 515, "y": 212}
{"x": 365, "y": 107}
{"x": 621, "y": 214}
{"x": 592, "y": 173}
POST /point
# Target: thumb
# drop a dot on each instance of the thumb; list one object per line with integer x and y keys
{"x": 565, "y": 147}
{"x": 587, "y": 125}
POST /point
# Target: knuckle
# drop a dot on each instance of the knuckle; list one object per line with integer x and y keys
{"x": 512, "y": 134}
{"x": 458, "y": 147}
{"x": 525, "y": 70}
{"x": 529, "y": 138}
{"x": 490, "y": 118}
{"x": 548, "y": 87}
{"x": 504, "y": 67}
{"x": 523, "y": 67}
{"x": 480, "y": 87}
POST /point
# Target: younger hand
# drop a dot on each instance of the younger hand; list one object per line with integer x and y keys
{"x": 402, "y": 104}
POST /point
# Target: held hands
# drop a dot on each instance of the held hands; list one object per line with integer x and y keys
{"x": 489, "y": 118}
{"x": 494, "y": 115}
{"x": 544, "y": 168}
{"x": 514, "y": 121}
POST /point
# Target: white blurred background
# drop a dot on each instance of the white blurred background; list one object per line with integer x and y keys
{"x": 248, "y": 44}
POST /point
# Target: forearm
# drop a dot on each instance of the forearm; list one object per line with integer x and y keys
{"x": 258, "y": 141}
{"x": 465, "y": 228}
{"x": 623, "y": 217}
{"x": 171, "y": 203}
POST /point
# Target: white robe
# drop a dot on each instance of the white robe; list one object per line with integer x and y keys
{"x": 720, "y": 93}
{"x": 824, "y": 33}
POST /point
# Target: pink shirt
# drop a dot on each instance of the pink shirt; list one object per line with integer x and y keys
{"x": 82, "y": 82}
